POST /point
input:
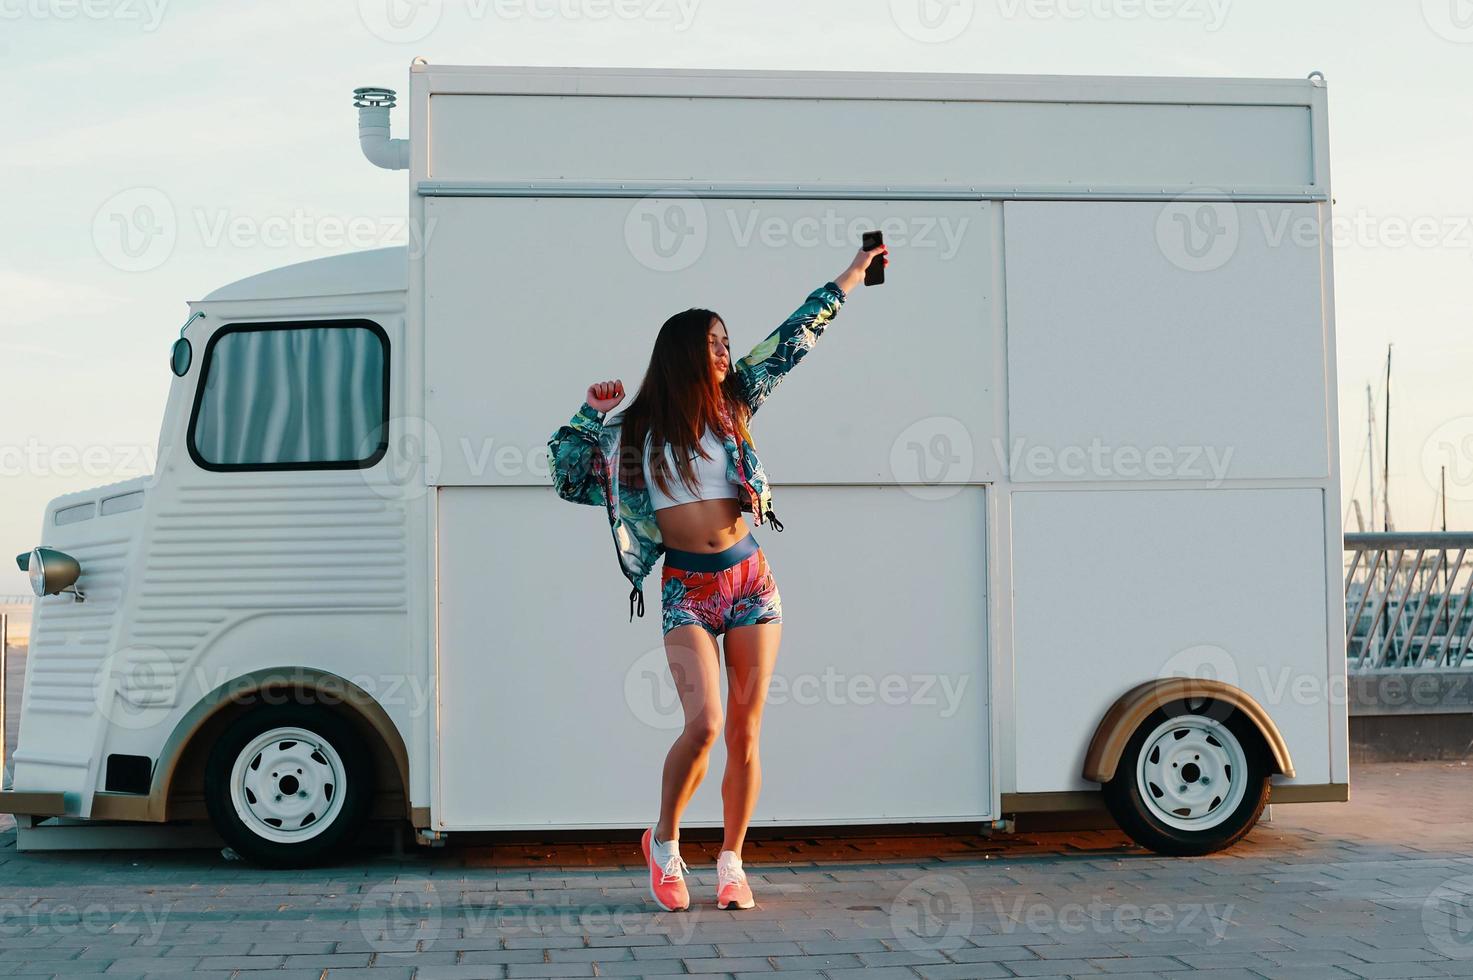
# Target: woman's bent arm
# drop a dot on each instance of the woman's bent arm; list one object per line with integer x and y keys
{"x": 576, "y": 459}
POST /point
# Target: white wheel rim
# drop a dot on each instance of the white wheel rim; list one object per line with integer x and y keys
{"x": 1191, "y": 773}
{"x": 288, "y": 785}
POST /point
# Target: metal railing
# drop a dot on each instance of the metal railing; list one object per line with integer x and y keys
{"x": 1407, "y": 600}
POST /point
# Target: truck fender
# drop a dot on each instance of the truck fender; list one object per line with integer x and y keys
{"x": 332, "y": 688}
{"x": 1133, "y": 707}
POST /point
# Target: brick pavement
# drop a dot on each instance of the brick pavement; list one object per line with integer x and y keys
{"x": 1379, "y": 887}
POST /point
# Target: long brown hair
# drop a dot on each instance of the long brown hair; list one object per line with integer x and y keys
{"x": 679, "y": 397}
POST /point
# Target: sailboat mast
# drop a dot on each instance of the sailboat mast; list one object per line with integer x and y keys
{"x": 1386, "y": 452}
{"x": 1371, "y": 453}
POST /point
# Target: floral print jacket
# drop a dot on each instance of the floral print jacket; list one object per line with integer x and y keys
{"x": 580, "y": 451}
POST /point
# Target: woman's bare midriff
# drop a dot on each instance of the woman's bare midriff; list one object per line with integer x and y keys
{"x": 704, "y": 526}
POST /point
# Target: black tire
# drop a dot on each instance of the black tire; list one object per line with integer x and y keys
{"x": 345, "y": 797}
{"x": 1221, "y": 826}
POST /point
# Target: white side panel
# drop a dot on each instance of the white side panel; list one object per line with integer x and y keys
{"x": 1115, "y": 587}
{"x": 530, "y": 300}
{"x": 556, "y": 712}
{"x": 849, "y": 140}
{"x": 1165, "y": 342}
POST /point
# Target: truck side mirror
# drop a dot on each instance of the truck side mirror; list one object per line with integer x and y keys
{"x": 180, "y": 356}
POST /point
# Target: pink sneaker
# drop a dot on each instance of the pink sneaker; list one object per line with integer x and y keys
{"x": 732, "y": 891}
{"x": 667, "y": 872}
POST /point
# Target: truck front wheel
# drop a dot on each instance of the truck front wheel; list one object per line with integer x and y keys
{"x": 288, "y": 785}
{"x": 1193, "y": 779}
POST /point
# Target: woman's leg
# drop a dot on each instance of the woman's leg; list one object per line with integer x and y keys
{"x": 694, "y": 666}
{"x": 751, "y": 655}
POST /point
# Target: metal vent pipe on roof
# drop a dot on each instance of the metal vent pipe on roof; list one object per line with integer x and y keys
{"x": 373, "y": 105}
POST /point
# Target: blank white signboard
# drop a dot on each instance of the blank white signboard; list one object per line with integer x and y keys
{"x": 530, "y": 300}
{"x": 1165, "y": 341}
{"x": 807, "y": 140}
{"x": 1114, "y": 588}
{"x": 555, "y": 711}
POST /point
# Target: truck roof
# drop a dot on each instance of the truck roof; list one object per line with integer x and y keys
{"x": 780, "y": 82}
{"x": 378, "y": 270}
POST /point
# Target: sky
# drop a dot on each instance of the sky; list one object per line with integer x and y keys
{"x": 240, "y": 115}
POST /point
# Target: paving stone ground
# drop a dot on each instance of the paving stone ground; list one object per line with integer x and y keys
{"x": 1378, "y": 887}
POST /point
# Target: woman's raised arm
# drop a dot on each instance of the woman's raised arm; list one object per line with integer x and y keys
{"x": 780, "y": 351}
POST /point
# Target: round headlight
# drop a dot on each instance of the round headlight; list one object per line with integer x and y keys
{"x": 37, "y": 571}
{"x": 53, "y": 572}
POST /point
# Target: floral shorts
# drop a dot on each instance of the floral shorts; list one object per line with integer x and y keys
{"x": 720, "y": 590}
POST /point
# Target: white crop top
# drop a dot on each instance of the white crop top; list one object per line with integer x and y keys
{"x": 710, "y": 475}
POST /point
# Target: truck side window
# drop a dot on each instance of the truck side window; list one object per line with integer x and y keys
{"x": 307, "y": 395}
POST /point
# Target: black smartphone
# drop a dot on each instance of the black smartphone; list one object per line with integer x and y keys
{"x": 874, "y": 273}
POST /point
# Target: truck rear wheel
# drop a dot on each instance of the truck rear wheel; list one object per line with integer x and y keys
{"x": 1193, "y": 779}
{"x": 288, "y": 785}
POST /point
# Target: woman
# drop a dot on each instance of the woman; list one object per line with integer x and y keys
{"x": 687, "y": 470}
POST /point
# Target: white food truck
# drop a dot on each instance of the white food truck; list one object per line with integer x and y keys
{"x": 1060, "y": 499}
